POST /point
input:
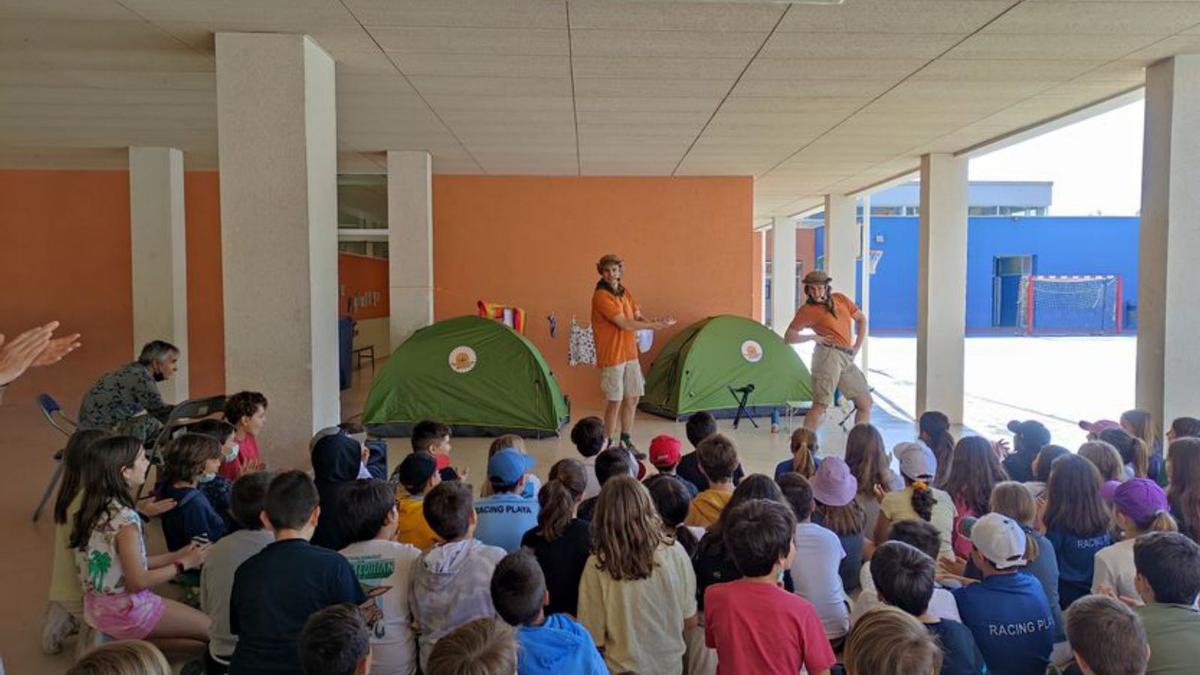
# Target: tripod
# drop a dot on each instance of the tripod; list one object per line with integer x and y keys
{"x": 741, "y": 410}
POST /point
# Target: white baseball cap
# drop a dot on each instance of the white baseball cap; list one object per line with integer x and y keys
{"x": 917, "y": 461}
{"x": 999, "y": 539}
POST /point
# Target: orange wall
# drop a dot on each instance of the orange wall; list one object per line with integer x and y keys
{"x": 366, "y": 278}
{"x": 533, "y": 242}
{"x": 65, "y": 255}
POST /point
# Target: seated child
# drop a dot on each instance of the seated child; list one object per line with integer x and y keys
{"x": 664, "y": 456}
{"x": 247, "y": 412}
{"x": 217, "y": 489}
{"x": 480, "y": 647}
{"x": 115, "y": 574}
{"x": 711, "y": 561}
{"x": 835, "y": 508}
{"x": 417, "y": 474}
{"x": 903, "y": 577}
{"x": 278, "y": 588}
{"x": 804, "y": 459}
{"x": 506, "y": 516}
{"x": 1041, "y": 468}
{"x": 1105, "y": 632}
{"x": 672, "y": 501}
{"x": 1139, "y": 506}
{"x": 451, "y": 582}
{"x": 532, "y": 482}
{"x": 248, "y": 499}
{"x": 122, "y": 657}
{"x": 924, "y": 537}
{"x": 1168, "y": 582}
{"x": 189, "y": 460}
{"x": 336, "y": 461}
{"x": 818, "y": 557}
{"x": 561, "y": 542}
{"x": 1007, "y": 612}
{"x": 609, "y": 464}
{"x": 888, "y": 641}
{"x": 918, "y": 500}
{"x": 637, "y": 595}
{"x": 434, "y": 438}
{"x": 718, "y": 461}
{"x": 554, "y": 644}
{"x": 588, "y": 437}
{"x": 700, "y": 426}
{"x": 755, "y": 626}
{"x": 1077, "y": 523}
{"x": 335, "y": 641}
{"x": 383, "y": 567}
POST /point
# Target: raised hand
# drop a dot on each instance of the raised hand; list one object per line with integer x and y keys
{"x": 18, "y": 354}
{"x": 57, "y": 349}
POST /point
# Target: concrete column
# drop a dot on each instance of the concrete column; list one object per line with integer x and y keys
{"x": 841, "y": 243}
{"x": 864, "y": 291}
{"x": 783, "y": 273}
{"x": 410, "y": 242}
{"x": 1168, "y": 362}
{"x": 278, "y": 163}
{"x": 942, "y": 285}
{"x": 158, "y": 242}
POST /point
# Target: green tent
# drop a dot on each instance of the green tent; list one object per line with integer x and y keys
{"x": 475, "y": 374}
{"x": 697, "y": 368}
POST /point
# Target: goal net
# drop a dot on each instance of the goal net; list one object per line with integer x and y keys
{"x": 1079, "y": 304}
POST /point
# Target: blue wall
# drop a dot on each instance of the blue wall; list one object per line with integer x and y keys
{"x": 1060, "y": 244}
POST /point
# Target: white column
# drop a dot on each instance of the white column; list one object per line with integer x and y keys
{"x": 841, "y": 243}
{"x": 864, "y": 291}
{"x": 942, "y": 285}
{"x": 158, "y": 245}
{"x": 278, "y": 165}
{"x": 783, "y": 273}
{"x": 1168, "y": 363}
{"x": 410, "y": 242}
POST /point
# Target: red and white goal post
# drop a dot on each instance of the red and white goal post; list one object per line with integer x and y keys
{"x": 1078, "y": 304}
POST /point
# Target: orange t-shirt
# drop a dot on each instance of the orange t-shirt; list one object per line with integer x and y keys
{"x": 613, "y": 345}
{"x": 835, "y": 329}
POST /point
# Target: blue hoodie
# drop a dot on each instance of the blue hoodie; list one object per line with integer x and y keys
{"x": 556, "y": 647}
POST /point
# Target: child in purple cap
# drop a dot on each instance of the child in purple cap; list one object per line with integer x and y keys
{"x": 1139, "y": 506}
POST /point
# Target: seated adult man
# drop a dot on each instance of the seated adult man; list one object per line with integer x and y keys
{"x": 120, "y": 397}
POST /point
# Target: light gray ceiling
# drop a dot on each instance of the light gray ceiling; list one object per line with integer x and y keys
{"x": 808, "y": 99}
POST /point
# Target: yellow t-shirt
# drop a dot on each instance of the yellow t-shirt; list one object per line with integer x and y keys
{"x": 411, "y": 526}
{"x": 639, "y": 624}
{"x": 897, "y": 506}
{"x": 64, "y": 575}
{"x": 707, "y": 506}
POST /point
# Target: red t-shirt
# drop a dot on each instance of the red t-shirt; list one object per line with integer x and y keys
{"x": 761, "y": 628}
{"x": 247, "y": 454}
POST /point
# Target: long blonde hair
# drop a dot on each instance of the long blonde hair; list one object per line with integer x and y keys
{"x": 804, "y": 447}
{"x": 1106, "y": 459}
{"x": 123, "y": 657}
{"x": 626, "y": 530}
{"x": 867, "y": 459}
{"x": 1013, "y": 499}
{"x": 1142, "y": 424}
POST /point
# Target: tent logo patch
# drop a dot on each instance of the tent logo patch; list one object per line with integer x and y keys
{"x": 752, "y": 351}
{"x": 462, "y": 359}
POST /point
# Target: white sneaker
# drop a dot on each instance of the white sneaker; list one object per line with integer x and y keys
{"x": 56, "y": 627}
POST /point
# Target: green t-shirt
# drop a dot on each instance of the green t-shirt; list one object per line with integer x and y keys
{"x": 1174, "y": 635}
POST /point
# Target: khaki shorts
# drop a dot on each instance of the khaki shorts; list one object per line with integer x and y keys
{"x": 834, "y": 369}
{"x": 622, "y": 381}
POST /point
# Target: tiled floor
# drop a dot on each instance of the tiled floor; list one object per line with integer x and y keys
{"x": 26, "y": 443}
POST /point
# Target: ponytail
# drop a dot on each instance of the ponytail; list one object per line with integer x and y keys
{"x": 1141, "y": 457}
{"x": 923, "y": 500}
{"x": 804, "y": 445}
{"x": 1031, "y": 548}
{"x": 557, "y": 509}
{"x": 1161, "y": 522}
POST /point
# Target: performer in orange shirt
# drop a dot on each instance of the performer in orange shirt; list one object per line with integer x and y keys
{"x": 829, "y": 315}
{"x": 615, "y": 318}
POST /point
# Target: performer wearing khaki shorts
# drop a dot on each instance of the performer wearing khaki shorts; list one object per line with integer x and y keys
{"x": 829, "y": 315}
{"x": 615, "y": 318}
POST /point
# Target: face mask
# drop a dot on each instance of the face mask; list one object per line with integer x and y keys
{"x": 233, "y": 453}
{"x": 159, "y": 377}
{"x": 207, "y": 478}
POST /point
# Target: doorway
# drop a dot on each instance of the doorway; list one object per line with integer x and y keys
{"x": 1007, "y": 272}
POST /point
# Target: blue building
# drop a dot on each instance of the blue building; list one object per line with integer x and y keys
{"x": 1009, "y": 239}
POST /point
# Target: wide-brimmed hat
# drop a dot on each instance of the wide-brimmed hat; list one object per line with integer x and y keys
{"x": 816, "y": 277}
{"x": 833, "y": 484}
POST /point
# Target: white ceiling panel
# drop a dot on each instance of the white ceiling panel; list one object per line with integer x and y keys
{"x": 489, "y": 41}
{"x": 679, "y": 44}
{"x": 858, "y": 45}
{"x": 1097, "y": 18}
{"x": 914, "y": 17}
{"x": 461, "y": 13}
{"x": 667, "y": 16}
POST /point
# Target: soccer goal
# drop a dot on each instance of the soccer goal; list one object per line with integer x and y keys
{"x": 1071, "y": 304}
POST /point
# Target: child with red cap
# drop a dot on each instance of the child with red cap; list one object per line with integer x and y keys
{"x": 665, "y": 453}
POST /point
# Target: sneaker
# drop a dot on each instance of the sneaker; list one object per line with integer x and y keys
{"x": 57, "y": 625}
